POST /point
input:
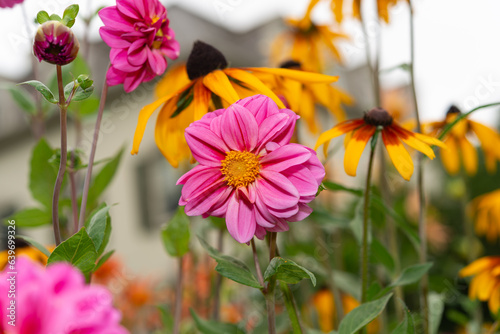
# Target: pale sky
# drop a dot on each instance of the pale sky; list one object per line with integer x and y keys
{"x": 457, "y": 48}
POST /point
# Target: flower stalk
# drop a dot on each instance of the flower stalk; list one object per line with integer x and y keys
{"x": 62, "y": 164}
{"x": 178, "y": 297}
{"x": 366, "y": 215}
{"x": 218, "y": 278}
{"x": 270, "y": 301}
{"x": 291, "y": 308}
{"x": 88, "y": 176}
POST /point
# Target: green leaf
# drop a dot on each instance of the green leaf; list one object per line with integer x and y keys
{"x": 214, "y": 327}
{"x": 69, "y": 15}
{"x": 104, "y": 178}
{"x": 103, "y": 259}
{"x": 230, "y": 267}
{"x": 23, "y": 99}
{"x": 412, "y": 274}
{"x": 42, "y": 174}
{"x": 338, "y": 187}
{"x": 35, "y": 244}
{"x": 99, "y": 228}
{"x": 44, "y": 90}
{"x": 31, "y": 218}
{"x": 86, "y": 107}
{"x": 287, "y": 271}
{"x": 79, "y": 250}
{"x": 379, "y": 254}
{"x": 184, "y": 101}
{"x": 55, "y": 17}
{"x": 176, "y": 234}
{"x": 436, "y": 308}
{"x": 363, "y": 315}
{"x": 407, "y": 326}
{"x": 82, "y": 88}
{"x": 42, "y": 17}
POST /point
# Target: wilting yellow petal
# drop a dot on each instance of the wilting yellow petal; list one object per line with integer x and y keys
{"x": 218, "y": 82}
{"x": 172, "y": 81}
{"x": 338, "y": 130}
{"x": 146, "y": 113}
{"x": 398, "y": 153}
{"x": 253, "y": 82}
{"x": 450, "y": 157}
{"x": 489, "y": 138}
{"x": 356, "y": 147}
{"x": 302, "y": 76}
{"x": 479, "y": 266}
{"x": 469, "y": 156}
{"x": 201, "y": 100}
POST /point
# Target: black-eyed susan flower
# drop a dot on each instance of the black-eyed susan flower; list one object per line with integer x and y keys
{"x": 302, "y": 97}
{"x": 206, "y": 84}
{"x": 486, "y": 212}
{"x": 306, "y": 42}
{"x": 460, "y": 148}
{"x": 360, "y": 131}
{"x": 485, "y": 285}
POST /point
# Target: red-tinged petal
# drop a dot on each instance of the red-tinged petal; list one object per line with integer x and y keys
{"x": 355, "y": 148}
{"x": 240, "y": 128}
{"x": 338, "y": 130}
{"x": 285, "y": 157}
{"x": 411, "y": 140}
{"x": 240, "y": 219}
{"x": 276, "y": 190}
{"x": 398, "y": 154}
{"x": 207, "y": 148}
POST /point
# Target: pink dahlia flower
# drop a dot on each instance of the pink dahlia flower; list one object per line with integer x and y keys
{"x": 139, "y": 36}
{"x": 249, "y": 173}
{"x": 9, "y": 3}
{"x": 54, "y": 300}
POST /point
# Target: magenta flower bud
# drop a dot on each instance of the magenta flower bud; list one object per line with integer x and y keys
{"x": 55, "y": 43}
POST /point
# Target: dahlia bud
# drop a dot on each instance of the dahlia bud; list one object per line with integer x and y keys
{"x": 55, "y": 43}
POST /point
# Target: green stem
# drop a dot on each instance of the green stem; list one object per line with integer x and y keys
{"x": 366, "y": 214}
{"x": 291, "y": 308}
{"x": 424, "y": 282}
{"x": 178, "y": 298}
{"x": 88, "y": 176}
{"x": 62, "y": 163}
{"x": 270, "y": 301}
{"x": 374, "y": 68}
{"x": 260, "y": 278}
{"x": 218, "y": 279}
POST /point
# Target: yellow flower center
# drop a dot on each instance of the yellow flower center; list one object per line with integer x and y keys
{"x": 240, "y": 168}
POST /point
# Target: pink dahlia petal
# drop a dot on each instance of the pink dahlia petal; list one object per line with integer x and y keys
{"x": 204, "y": 180}
{"x": 240, "y": 129}
{"x": 201, "y": 204}
{"x": 133, "y": 80}
{"x": 261, "y": 106}
{"x": 285, "y": 157}
{"x": 240, "y": 219}
{"x": 281, "y": 226}
{"x": 286, "y": 134}
{"x": 285, "y": 212}
{"x": 128, "y": 8}
{"x": 207, "y": 148}
{"x": 112, "y": 38}
{"x": 114, "y": 76}
{"x": 270, "y": 128}
{"x": 302, "y": 179}
{"x": 157, "y": 63}
{"x": 276, "y": 190}
{"x": 303, "y": 213}
{"x": 9, "y": 3}
{"x": 112, "y": 19}
{"x": 260, "y": 232}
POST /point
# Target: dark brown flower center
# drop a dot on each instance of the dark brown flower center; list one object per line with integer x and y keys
{"x": 453, "y": 110}
{"x": 378, "y": 116}
{"x": 291, "y": 64}
{"x": 204, "y": 59}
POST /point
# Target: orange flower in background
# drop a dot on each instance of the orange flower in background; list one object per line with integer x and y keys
{"x": 306, "y": 42}
{"x": 323, "y": 302}
{"x": 485, "y": 285}
{"x": 303, "y": 97}
{"x": 206, "y": 84}
{"x": 360, "y": 131}
{"x": 460, "y": 148}
{"x": 486, "y": 211}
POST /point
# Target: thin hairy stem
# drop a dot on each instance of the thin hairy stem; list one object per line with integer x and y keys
{"x": 218, "y": 278}
{"x": 270, "y": 301}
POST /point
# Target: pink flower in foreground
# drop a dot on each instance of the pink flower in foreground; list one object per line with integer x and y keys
{"x": 54, "y": 300}
{"x": 249, "y": 173}
{"x": 137, "y": 32}
{"x": 9, "y": 3}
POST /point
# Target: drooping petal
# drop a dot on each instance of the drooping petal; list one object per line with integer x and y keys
{"x": 302, "y": 76}
{"x": 398, "y": 153}
{"x": 450, "y": 157}
{"x": 201, "y": 100}
{"x": 411, "y": 140}
{"x": 240, "y": 219}
{"x": 217, "y": 82}
{"x": 338, "y": 130}
{"x": 469, "y": 156}
{"x": 356, "y": 147}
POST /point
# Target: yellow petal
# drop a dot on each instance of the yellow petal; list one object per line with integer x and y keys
{"x": 201, "y": 100}
{"x": 486, "y": 288}
{"x": 175, "y": 79}
{"x": 338, "y": 130}
{"x": 306, "y": 111}
{"x": 469, "y": 156}
{"x": 253, "y": 82}
{"x": 302, "y": 76}
{"x": 449, "y": 156}
{"x": 336, "y": 7}
{"x": 411, "y": 140}
{"x": 219, "y": 84}
{"x": 146, "y": 113}
{"x": 494, "y": 302}
{"x": 489, "y": 138}
{"x": 398, "y": 154}
{"x": 356, "y": 147}
{"x": 490, "y": 162}
{"x": 292, "y": 91}
{"x": 478, "y": 266}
